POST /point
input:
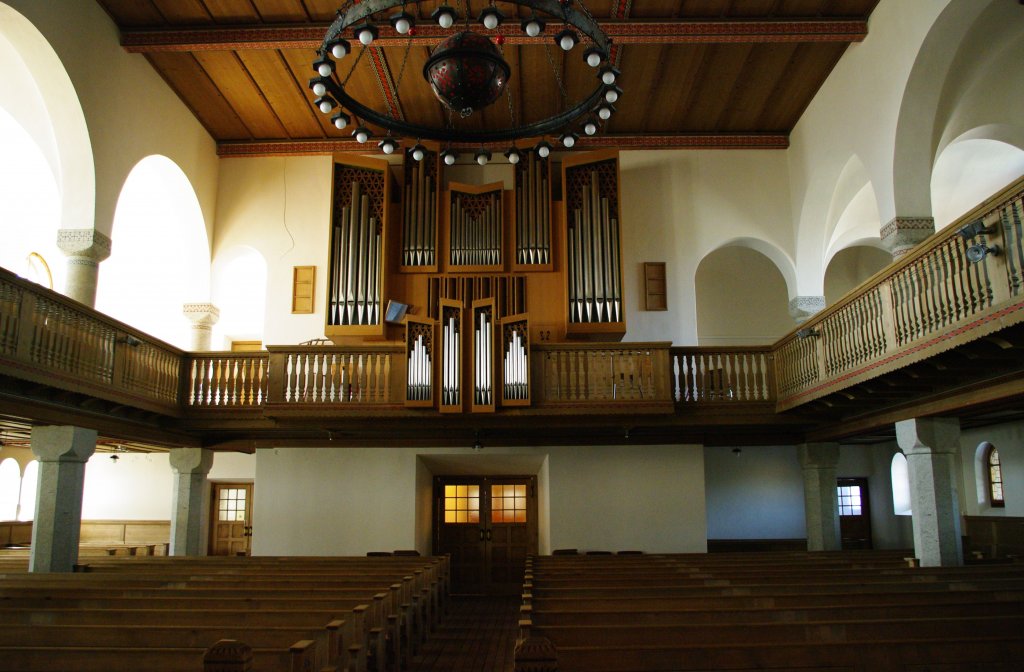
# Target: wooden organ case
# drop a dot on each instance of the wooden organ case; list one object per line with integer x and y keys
{"x": 485, "y": 270}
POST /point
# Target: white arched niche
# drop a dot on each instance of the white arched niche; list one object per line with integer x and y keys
{"x": 239, "y": 290}
{"x": 742, "y": 298}
{"x": 969, "y": 171}
{"x": 160, "y": 257}
{"x": 10, "y": 488}
{"x": 29, "y": 485}
{"x": 900, "y": 475}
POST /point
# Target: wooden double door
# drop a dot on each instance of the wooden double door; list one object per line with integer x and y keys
{"x": 489, "y": 526}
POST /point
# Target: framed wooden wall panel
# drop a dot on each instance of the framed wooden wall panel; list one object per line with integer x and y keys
{"x": 303, "y": 289}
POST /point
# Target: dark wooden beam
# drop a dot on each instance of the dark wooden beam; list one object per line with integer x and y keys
{"x": 310, "y": 36}
{"x": 625, "y": 142}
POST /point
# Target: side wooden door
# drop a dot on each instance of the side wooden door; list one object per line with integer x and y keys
{"x": 854, "y": 513}
{"x": 231, "y": 519}
{"x": 489, "y": 526}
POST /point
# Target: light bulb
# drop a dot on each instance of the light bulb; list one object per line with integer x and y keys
{"x": 566, "y": 42}
{"x": 481, "y": 159}
{"x": 568, "y": 141}
{"x": 604, "y": 112}
{"x": 513, "y": 158}
{"x": 593, "y": 59}
{"x": 340, "y": 50}
{"x": 449, "y": 159}
{"x": 387, "y": 146}
{"x": 340, "y": 120}
{"x": 533, "y": 28}
{"x": 325, "y": 69}
{"x": 590, "y": 128}
{"x": 608, "y": 77}
{"x": 543, "y": 151}
{"x": 611, "y": 95}
{"x": 490, "y": 21}
{"x": 402, "y": 26}
{"x": 417, "y": 154}
{"x": 445, "y": 20}
{"x": 319, "y": 89}
{"x": 362, "y": 135}
{"x": 365, "y": 38}
{"x": 326, "y": 106}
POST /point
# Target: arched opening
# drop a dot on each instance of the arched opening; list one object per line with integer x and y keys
{"x": 10, "y": 489}
{"x": 29, "y": 207}
{"x": 850, "y": 267}
{"x": 29, "y": 485}
{"x": 900, "y": 475}
{"x": 734, "y": 310}
{"x": 969, "y": 171}
{"x": 161, "y": 257}
{"x": 988, "y": 476}
{"x": 46, "y": 139}
{"x": 239, "y": 290}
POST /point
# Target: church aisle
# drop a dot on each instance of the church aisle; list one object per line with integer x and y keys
{"x": 478, "y": 635}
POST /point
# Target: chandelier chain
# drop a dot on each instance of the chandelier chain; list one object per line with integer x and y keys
{"x": 401, "y": 70}
{"x": 557, "y": 74}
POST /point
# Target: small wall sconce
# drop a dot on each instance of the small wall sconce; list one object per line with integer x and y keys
{"x": 976, "y": 253}
{"x": 807, "y": 332}
{"x": 477, "y": 446}
{"x": 736, "y": 452}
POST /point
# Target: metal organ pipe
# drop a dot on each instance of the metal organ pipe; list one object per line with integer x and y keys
{"x": 593, "y": 257}
{"x": 355, "y": 281}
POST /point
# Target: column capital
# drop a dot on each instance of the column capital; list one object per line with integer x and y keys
{"x": 87, "y": 245}
{"x": 928, "y": 435}
{"x": 56, "y": 443}
{"x": 201, "y": 314}
{"x": 903, "y": 234}
{"x": 818, "y": 455}
{"x": 802, "y": 307}
{"x": 191, "y": 460}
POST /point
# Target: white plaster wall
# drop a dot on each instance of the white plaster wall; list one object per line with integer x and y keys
{"x": 137, "y": 486}
{"x": 757, "y": 494}
{"x": 129, "y": 110}
{"x": 349, "y": 501}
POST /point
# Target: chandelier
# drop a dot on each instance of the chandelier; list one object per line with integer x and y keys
{"x": 467, "y": 72}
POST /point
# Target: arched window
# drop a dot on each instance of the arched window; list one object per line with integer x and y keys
{"x": 29, "y": 483}
{"x": 10, "y": 487}
{"x": 900, "y": 475}
{"x": 995, "y": 477}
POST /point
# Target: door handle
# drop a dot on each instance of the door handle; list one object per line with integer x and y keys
{"x": 247, "y": 531}
{"x": 488, "y": 535}
{"x": 481, "y": 534}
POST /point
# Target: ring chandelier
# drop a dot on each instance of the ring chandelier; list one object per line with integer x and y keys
{"x": 467, "y": 73}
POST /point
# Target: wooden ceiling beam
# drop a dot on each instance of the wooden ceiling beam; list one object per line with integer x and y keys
{"x": 310, "y": 36}
{"x": 625, "y": 142}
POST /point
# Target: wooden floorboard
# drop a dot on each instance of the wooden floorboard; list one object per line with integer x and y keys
{"x": 478, "y": 635}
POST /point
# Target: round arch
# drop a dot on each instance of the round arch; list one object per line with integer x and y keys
{"x": 55, "y": 121}
{"x": 239, "y": 290}
{"x": 741, "y": 295}
{"x": 972, "y": 168}
{"x": 162, "y": 256}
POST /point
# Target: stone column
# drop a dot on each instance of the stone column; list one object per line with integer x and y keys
{"x": 930, "y": 445}
{"x": 190, "y": 499}
{"x": 802, "y": 307}
{"x": 903, "y": 234}
{"x": 62, "y": 453}
{"x": 203, "y": 316}
{"x": 821, "y": 500}
{"x": 85, "y": 249}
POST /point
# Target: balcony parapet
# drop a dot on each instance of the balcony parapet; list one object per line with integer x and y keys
{"x": 933, "y": 299}
{"x": 48, "y": 339}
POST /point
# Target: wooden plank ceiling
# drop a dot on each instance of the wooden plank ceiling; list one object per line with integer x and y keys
{"x": 696, "y": 73}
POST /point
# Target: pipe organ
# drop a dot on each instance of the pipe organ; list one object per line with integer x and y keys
{"x": 593, "y": 246}
{"x": 419, "y": 212}
{"x": 356, "y": 269}
{"x": 483, "y": 356}
{"x": 476, "y": 226}
{"x": 441, "y": 249}
{"x": 533, "y": 213}
{"x": 419, "y": 349}
{"x": 515, "y": 357}
{"x": 451, "y": 359}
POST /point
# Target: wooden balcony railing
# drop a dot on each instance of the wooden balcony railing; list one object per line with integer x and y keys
{"x": 601, "y": 374}
{"x": 340, "y": 377}
{"x": 722, "y": 375}
{"x": 49, "y": 339}
{"x": 227, "y": 380}
{"x": 928, "y": 302}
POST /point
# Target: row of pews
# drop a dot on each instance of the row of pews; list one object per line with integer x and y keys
{"x": 186, "y": 614}
{"x": 855, "y": 611}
